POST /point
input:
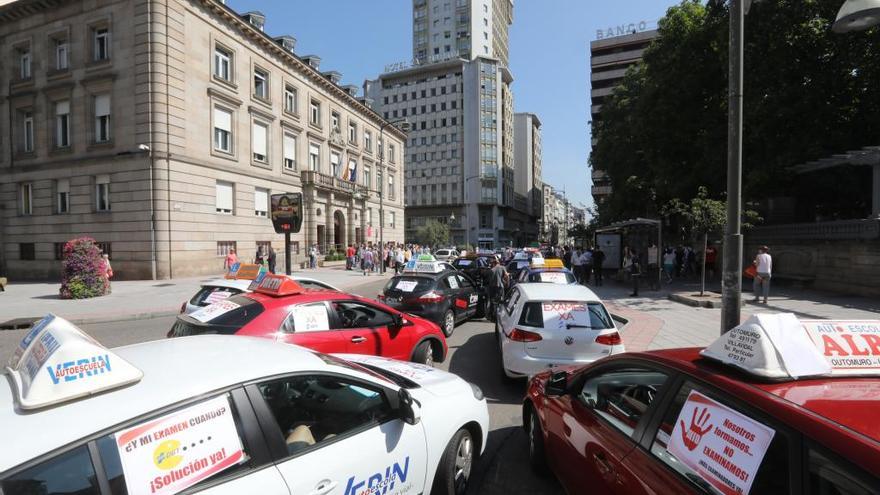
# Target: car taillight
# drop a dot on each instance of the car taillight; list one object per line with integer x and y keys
{"x": 609, "y": 339}
{"x": 183, "y": 307}
{"x": 430, "y": 298}
{"x": 518, "y": 335}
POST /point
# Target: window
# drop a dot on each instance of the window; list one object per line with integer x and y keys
{"x": 59, "y": 250}
{"x": 359, "y": 315}
{"x": 70, "y": 472}
{"x": 24, "y": 63}
{"x": 260, "y": 153}
{"x": 289, "y": 145}
{"x": 27, "y": 251}
{"x": 334, "y": 163}
{"x": 26, "y": 199}
{"x": 102, "y": 118}
{"x": 101, "y": 43}
{"x": 222, "y": 64}
{"x": 832, "y": 477}
{"x": 391, "y": 187}
{"x": 62, "y": 195}
{"x": 391, "y": 153}
{"x": 27, "y": 144}
{"x": 261, "y": 84}
{"x": 290, "y": 100}
{"x": 62, "y": 124}
{"x": 303, "y": 422}
{"x": 352, "y": 133}
{"x": 772, "y": 475}
{"x": 622, "y": 396}
{"x": 225, "y": 247}
{"x": 379, "y": 184}
{"x": 334, "y": 122}
{"x": 367, "y": 177}
{"x": 314, "y": 157}
{"x": 224, "y": 195}
{"x": 368, "y": 141}
{"x": 261, "y": 202}
{"x": 315, "y": 113}
{"x": 222, "y": 130}
{"x": 102, "y": 193}
{"x": 391, "y": 219}
{"x": 62, "y": 49}
{"x": 105, "y": 248}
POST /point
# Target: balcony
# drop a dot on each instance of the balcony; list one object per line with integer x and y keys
{"x": 330, "y": 183}
{"x": 601, "y": 191}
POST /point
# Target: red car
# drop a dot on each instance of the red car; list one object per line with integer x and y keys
{"x": 673, "y": 421}
{"x": 324, "y": 320}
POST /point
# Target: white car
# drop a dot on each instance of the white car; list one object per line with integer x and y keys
{"x": 222, "y": 288}
{"x": 229, "y": 415}
{"x": 541, "y": 326}
{"x": 446, "y": 254}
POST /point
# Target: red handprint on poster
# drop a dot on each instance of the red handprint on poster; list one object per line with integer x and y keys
{"x": 692, "y": 436}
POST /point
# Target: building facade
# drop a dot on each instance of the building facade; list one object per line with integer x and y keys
{"x": 446, "y": 29}
{"x": 162, "y": 127}
{"x": 527, "y": 152}
{"x": 609, "y": 59}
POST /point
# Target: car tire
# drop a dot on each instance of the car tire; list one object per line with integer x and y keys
{"x": 447, "y": 324}
{"x": 454, "y": 470}
{"x": 537, "y": 454}
{"x": 424, "y": 354}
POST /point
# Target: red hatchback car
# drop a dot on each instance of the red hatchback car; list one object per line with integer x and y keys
{"x": 324, "y": 320}
{"x": 671, "y": 422}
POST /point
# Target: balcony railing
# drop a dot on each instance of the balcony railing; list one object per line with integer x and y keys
{"x": 329, "y": 182}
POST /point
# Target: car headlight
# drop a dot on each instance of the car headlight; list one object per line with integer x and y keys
{"x": 478, "y": 393}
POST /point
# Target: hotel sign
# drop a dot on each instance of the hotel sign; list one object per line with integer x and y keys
{"x": 621, "y": 30}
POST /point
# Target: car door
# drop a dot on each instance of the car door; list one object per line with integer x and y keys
{"x": 658, "y": 470}
{"x": 452, "y": 289}
{"x": 310, "y": 325}
{"x": 468, "y": 292}
{"x": 334, "y": 435}
{"x": 507, "y": 312}
{"x": 593, "y": 429}
{"x": 368, "y": 329}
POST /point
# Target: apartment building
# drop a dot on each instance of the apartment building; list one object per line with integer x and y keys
{"x": 162, "y": 127}
{"x": 609, "y": 59}
{"x": 527, "y": 153}
{"x": 444, "y": 29}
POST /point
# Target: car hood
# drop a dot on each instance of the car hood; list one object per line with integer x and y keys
{"x": 432, "y": 380}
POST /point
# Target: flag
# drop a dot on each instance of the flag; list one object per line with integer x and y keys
{"x": 344, "y": 164}
{"x": 352, "y": 177}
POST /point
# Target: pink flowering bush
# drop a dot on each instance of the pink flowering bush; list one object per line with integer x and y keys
{"x": 82, "y": 271}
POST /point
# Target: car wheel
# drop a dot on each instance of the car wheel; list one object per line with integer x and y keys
{"x": 423, "y": 354}
{"x": 537, "y": 457}
{"x": 448, "y": 323}
{"x": 454, "y": 470}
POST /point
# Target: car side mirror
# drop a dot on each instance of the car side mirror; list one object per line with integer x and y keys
{"x": 557, "y": 384}
{"x": 409, "y": 409}
{"x": 396, "y": 322}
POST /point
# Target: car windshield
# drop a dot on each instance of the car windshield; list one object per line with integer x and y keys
{"x": 409, "y": 284}
{"x": 210, "y": 294}
{"x": 552, "y": 277}
{"x": 565, "y": 314}
{"x": 226, "y": 318}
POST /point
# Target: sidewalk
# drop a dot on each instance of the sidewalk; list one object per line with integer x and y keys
{"x": 132, "y": 299}
{"x": 655, "y": 322}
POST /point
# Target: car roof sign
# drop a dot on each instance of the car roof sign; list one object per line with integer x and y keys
{"x": 779, "y": 346}
{"x": 551, "y": 263}
{"x": 278, "y": 285}
{"x": 420, "y": 266}
{"x": 57, "y": 362}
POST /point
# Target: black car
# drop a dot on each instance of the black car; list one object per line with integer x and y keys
{"x": 446, "y": 298}
{"x": 476, "y": 266}
{"x": 516, "y": 266}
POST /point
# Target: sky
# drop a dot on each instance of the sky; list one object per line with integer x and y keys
{"x": 549, "y": 58}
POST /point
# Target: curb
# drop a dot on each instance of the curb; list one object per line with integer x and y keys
{"x": 129, "y": 317}
{"x": 691, "y": 302}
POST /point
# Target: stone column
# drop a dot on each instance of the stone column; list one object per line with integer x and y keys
{"x": 330, "y": 229}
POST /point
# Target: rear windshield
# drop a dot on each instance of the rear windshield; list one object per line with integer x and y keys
{"x": 552, "y": 277}
{"x": 410, "y": 284}
{"x": 565, "y": 314}
{"x": 212, "y": 294}
{"x": 226, "y": 323}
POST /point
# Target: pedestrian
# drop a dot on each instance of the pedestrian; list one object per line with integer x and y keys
{"x": 500, "y": 278}
{"x": 669, "y": 264}
{"x": 106, "y": 271}
{"x": 566, "y": 258}
{"x": 711, "y": 259}
{"x": 271, "y": 258}
{"x": 367, "y": 261}
{"x": 349, "y": 257}
{"x": 653, "y": 267}
{"x": 764, "y": 266}
{"x": 635, "y": 271}
{"x": 598, "y": 260}
{"x": 260, "y": 257}
{"x": 313, "y": 256}
{"x": 586, "y": 265}
{"x": 399, "y": 261}
{"x": 577, "y": 265}
{"x": 230, "y": 260}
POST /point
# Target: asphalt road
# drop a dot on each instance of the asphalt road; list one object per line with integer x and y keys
{"x": 473, "y": 355}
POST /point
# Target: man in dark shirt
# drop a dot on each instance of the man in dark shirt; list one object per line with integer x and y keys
{"x": 598, "y": 260}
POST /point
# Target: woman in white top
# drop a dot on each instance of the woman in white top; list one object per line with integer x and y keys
{"x": 764, "y": 266}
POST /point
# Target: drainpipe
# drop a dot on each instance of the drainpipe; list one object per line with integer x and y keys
{"x": 151, "y": 140}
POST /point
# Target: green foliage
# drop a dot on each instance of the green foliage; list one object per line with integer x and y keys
{"x": 433, "y": 234}
{"x": 808, "y": 94}
{"x": 334, "y": 256}
{"x": 581, "y": 233}
{"x": 702, "y": 215}
{"x": 82, "y": 271}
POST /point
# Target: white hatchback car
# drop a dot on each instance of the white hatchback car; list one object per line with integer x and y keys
{"x": 229, "y": 415}
{"x": 541, "y": 326}
{"x": 223, "y": 288}
{"x": 446, "y": 254}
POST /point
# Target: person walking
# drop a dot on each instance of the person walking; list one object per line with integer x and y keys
{"x": 669, "y": 264}
{"x": 230, "y": 260}
{"x": 399, "y": 260}
{"x": 367, "y": 261}
{"x": 598, "y": 260}
{"x": 711, "y": 258}
{"x": 764, "y": 266}
{"x": 635, "y": 271}
{"x": 313, "y": 256}
{"x": 577, "y": 265}
{"x": 271, "y": 258}
{"x": 499, "y": 280}
{"x": 653, "y": 267}
{"x": 106, "y": 271}
{"x": 586, "y": 265}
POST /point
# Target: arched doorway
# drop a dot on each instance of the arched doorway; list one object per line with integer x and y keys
{"x": 339, "y": 230}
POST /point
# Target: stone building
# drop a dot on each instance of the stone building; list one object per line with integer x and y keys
{"x": 161, "y": 128}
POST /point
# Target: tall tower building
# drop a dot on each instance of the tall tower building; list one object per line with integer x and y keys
{"x": 444, "y": 29}
{"x": 527, "y": 132}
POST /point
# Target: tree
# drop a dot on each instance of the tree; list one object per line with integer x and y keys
{"x": 809, "y": 93}
{"x": 433, "y": 233}
{"x": 580, "y": 233}
{"x": 82, "y": 271}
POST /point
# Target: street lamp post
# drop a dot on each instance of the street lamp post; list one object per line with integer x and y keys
{"x": 403, "y": 125}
